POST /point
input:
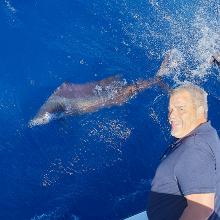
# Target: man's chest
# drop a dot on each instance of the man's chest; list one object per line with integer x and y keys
{"x": 165, "y": 180}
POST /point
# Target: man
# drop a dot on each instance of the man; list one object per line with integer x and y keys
{"x": 186, "y": 185}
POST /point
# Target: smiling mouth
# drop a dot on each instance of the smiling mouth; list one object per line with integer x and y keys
{"x": 174, "y": 123}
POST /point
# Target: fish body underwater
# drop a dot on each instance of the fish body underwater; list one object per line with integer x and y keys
{"x": 77, "y": 99}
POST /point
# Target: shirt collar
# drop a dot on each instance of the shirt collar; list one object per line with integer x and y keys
{"x": 200, "y": 128}
{"x": 176, "y": 141}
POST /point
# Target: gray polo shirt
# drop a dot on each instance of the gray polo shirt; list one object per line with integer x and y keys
{"x": 192, "y": 166}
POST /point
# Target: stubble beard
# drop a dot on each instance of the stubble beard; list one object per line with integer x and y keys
{"x": 175, "y": 134}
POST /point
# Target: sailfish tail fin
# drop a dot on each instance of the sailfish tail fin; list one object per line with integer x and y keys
{"x": 158, "y": 79}
{"x": 159, "y": 82}
{"x": 163, "y": 67}
{"x": 143, "y": 84}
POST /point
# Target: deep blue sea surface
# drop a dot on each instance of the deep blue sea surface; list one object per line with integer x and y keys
{"x": 100, "y": 165}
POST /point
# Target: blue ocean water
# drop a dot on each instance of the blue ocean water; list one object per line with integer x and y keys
{"x": 99, "y": 165}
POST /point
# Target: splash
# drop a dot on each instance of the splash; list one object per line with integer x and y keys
{"x": 190, "y": 62}
{"x": 193, "y": 32}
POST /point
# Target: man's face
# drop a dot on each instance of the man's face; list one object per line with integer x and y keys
{"x": 182, "y": 114}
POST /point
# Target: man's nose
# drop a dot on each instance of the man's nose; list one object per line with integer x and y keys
{"x": 172, "y": 114}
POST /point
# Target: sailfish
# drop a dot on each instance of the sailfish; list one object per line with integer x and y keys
{"x": 76, "y": 99}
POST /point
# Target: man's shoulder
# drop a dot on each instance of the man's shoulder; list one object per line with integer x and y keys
{"x": 207, "y": 136}
{"x": 206, "y": 130}
{"x": 204, "y": 135}
{"x": 203, "y": 144}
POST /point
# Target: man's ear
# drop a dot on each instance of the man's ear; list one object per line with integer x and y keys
{"x": 200, "y": 112}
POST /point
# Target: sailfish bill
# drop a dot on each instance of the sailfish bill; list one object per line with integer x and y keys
{"x": 215, "y": 58}
{"x": 77, "y": 99}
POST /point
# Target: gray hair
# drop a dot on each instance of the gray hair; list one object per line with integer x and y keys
{"x": 198, "y": 95}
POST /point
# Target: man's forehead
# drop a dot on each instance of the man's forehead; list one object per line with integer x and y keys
{"x": 182, "y": 97}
